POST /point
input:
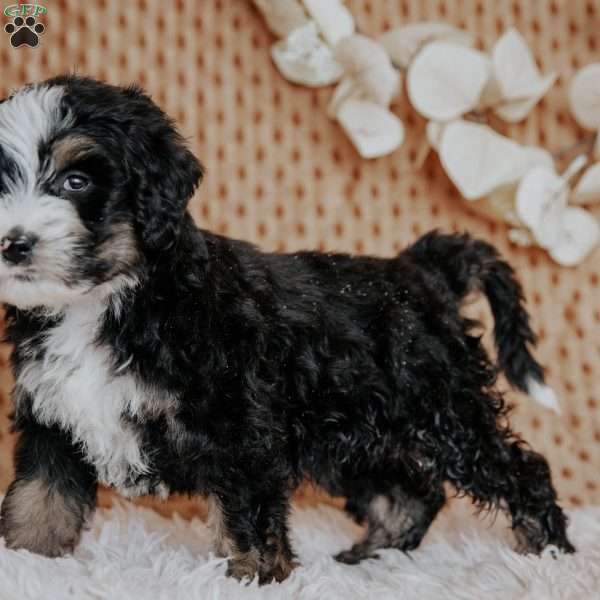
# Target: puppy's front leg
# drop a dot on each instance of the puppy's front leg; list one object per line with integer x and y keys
{"x": 54, "y": 493}
{"x": 252, "y": 529}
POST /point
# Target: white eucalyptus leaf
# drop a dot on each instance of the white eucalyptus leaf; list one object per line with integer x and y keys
{"x": 282, "y": 16}
{"x": 477, "y": 159}
{"x": 548, "y": 230}
{"x": 537, "y": 157}
{"x": 334, "y": 20}
{"x": 580, "y": 234}
{"x": 514, "y": 66}
{"x": 584, "y": 96}
{"x": 540, "y": 202}
{"x": 373, "y": 129}
{"x": 587, "y": 190}
{"x": 513, "y": 111}
{"x": 402, "y": 44}
{"x": 517, "y": 83}
{"x": 445, "y": 81}
{"x": 302, "y": 57}
{"x": 367, "y": 62}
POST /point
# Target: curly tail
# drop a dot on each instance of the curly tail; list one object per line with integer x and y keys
{"x": 469, "y": 264}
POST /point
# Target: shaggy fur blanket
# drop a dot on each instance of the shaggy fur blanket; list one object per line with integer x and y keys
{"x": 131, "y": 553}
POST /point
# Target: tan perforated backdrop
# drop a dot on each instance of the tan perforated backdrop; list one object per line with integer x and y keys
{"x": 282, "y": 174}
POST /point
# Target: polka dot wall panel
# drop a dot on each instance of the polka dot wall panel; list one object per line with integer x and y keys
{"x": 282, "y": 174}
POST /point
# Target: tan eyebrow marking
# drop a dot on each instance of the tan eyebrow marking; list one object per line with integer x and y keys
{"x": 70, "y": 148}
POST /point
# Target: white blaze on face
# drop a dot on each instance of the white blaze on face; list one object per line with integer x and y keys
{"x": 27, "y": 120}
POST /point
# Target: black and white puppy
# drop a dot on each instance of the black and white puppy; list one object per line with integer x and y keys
{"x": 155, "y": 357}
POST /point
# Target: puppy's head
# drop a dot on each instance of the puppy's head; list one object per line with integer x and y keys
{"x": 94, "y": 179}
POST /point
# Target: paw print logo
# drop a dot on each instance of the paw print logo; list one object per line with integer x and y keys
{"x": 24, "y": 32}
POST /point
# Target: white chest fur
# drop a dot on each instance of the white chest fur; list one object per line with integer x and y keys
{"x": 74, "y": 386}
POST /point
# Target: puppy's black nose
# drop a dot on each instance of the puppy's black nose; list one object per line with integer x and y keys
{"x": 16, "y": 246}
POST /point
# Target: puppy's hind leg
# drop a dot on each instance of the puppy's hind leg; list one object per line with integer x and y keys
{"x": 398, "y": 519}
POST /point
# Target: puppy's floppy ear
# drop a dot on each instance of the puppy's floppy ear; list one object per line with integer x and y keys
{"x": 166, "y": 187}
{"x": 166, "y": 173}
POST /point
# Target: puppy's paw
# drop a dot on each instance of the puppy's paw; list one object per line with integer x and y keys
{"x": 247, "y": 565}
{"x": 277, "y": 572}
{"x": 537, "y": 546}
{"x": 243, "y": 566}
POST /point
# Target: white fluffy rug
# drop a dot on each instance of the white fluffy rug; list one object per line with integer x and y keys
{"x": 133, "y": 554}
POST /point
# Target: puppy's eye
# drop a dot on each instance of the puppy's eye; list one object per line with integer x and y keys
{"x": 76, "y": 182}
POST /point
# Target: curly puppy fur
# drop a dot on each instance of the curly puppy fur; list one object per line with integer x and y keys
{"x": 156, "y": 357}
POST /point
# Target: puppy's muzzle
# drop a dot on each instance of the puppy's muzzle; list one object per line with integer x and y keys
{"x": 17, "y": 246}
